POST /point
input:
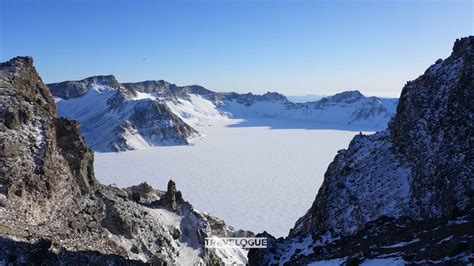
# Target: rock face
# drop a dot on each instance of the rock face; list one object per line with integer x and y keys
{"x": 432, "y": 132}
{"x": 419, "y": 170}
{"x": 52, "y": 209}
{"x": 43, "y": 158}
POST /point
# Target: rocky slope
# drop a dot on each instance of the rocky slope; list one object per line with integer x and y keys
{"x": 52, "y": 209}
{"x": 406, "y": 193}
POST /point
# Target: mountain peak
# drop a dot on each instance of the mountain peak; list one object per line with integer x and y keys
{"x": 16, "y": 65}
{"x": 347, "y": 96}
{"x": 103, "y": 80}
{"x": 76, "y": 88}
{"x": 22, "y": 75}
{"x": 27, "y": 60}
{"x": 463, "y": 45}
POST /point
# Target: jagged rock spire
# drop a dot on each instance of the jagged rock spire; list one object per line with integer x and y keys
{"x": 172, "y": 196}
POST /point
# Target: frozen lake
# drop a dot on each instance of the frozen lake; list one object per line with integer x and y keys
{"x": 255, "y": 178}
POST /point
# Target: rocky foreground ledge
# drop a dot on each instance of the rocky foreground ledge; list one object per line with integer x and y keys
{"x": 54, "y": 211}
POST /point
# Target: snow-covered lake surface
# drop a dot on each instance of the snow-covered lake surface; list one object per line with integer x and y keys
{"x": 255, "y": 178}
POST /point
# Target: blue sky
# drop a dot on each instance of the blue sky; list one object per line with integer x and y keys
{"x": 294, "y": 47}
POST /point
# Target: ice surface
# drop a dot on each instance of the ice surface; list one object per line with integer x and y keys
{"x": 254, "y": 178}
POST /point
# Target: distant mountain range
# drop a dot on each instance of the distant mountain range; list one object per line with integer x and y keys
{"x": 304, "y": 98}
{"x": 127, "y": 116}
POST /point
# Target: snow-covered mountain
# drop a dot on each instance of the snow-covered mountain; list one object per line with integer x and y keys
{"x": 128, "y": 116}
{"x": 348, "y": 110}
{"x": 404, "y": 194}
{"x": 115, "y": 119}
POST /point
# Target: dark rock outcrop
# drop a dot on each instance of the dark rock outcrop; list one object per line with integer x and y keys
{"x": 78, "y": 156}
{"x": 172, "y": 197}
{"x": 40, "y": 253}
{"x": 159, "y": 124}
{"x": 432, "y": 133}
{"x": 36, "y": 146}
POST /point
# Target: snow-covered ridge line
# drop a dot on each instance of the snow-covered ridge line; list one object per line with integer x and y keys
{"x": 128, "y": 116}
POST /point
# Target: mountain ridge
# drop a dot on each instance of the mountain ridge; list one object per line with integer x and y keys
{"x": 355, "y": 113}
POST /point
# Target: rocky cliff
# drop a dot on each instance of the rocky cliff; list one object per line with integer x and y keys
{"x": 43, "y": 158}
{"x": 52, "y": 209}
{"x": 406, "y": 192}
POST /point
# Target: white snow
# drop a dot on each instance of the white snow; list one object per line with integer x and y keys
{"x": 446, "y": 239}
{"x": 402, "y": 244}
{"x": 304, "y": 245}
{"x": 134, "y": 139}
{"x": 254, "y": 178}
{"x": 231, "y": 255}
{"x": 197, "y": 111}
{"x": 333, "y": 262}
{"x": 144, "y": 95}
{"x": 189, "y": 248}
{"x": 385, "y": 262}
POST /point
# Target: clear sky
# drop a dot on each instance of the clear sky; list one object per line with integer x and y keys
{"x": 295, "y": 47}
